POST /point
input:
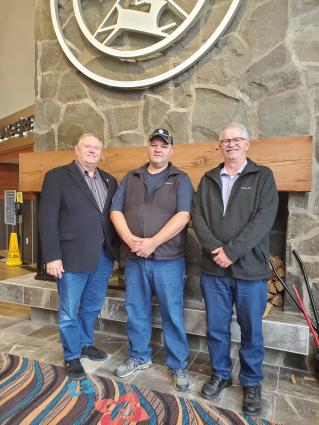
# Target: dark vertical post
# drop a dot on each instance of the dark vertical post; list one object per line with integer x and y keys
{"x": 41, "y": 273}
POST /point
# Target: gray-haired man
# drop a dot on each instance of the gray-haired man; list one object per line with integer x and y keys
{"x": 233, "y": 212}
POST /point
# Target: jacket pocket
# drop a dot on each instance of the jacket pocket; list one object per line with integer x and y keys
{"x": 261, "y": 256}
{"x": 67, "y": 236}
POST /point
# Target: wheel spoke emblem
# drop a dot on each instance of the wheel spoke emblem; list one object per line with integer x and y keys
{"x": 139, "y": 31}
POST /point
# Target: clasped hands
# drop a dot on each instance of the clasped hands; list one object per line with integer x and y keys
{"x": 220, "y": 258}
{"x": 142, "y": 247}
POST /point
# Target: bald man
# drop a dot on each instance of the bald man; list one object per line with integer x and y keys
{"x": 79, "y": 245}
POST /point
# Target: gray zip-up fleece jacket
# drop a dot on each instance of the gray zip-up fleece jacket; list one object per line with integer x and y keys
{"x": 243, "y": 231}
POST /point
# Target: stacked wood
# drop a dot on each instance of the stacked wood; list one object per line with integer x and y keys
{"x": 275, "y": 288}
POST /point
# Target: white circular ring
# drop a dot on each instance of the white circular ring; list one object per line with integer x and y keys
{"x": 182, "y": 67}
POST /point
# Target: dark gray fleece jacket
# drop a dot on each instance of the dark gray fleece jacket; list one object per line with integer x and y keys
{"x": 243, "y": 231}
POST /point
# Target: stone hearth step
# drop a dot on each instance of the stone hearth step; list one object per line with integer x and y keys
{"x": 282, "y": 331}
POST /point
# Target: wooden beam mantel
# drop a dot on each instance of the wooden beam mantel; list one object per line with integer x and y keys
{"x": 290, "y": 159}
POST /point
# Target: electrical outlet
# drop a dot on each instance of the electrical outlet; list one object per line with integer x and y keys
{"x": 27, "y": 241}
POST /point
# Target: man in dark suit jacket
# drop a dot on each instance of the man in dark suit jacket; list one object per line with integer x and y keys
{"x": 79, "y": 245}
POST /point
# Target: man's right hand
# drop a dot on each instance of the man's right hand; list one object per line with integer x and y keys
{"x": 134, "y": 243}
{"x": 55, "y": 268}
{"x": 220, "y": 258}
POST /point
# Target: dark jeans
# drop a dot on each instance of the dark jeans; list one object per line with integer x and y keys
{"x": 82, "y": 295}
{"x": 166, "y": 279}
{"x": 250, "y": 298}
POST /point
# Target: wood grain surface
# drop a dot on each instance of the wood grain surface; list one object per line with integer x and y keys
{"x": 10, "y": 149}
{"x": 8, "y": 178}
{"x": 290, "y": 159}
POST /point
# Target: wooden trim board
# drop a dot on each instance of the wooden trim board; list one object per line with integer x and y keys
{"x": 290, "y": 158}
{"x": 24, "y": 113}
{"x": 10, "y": 149}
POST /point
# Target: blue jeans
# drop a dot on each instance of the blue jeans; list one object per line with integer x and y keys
{"x": 82, "y": 295}
{"x": 166, "y": 279}
{"x": 250, "y": 298}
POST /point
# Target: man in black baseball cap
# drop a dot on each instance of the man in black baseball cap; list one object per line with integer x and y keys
{"x": 163, "y": 133}
{"x": 150, "y": 212}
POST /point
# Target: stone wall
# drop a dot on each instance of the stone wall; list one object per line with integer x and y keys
{"x": 264, "y": 72}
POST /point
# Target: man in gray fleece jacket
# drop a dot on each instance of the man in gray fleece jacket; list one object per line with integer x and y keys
{"x": 233, "y": 212}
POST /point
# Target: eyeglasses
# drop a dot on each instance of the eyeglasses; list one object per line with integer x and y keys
{"x": 236, "y": 140}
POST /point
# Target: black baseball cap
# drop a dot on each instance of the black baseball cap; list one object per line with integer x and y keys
{"x": 163, "y": 133}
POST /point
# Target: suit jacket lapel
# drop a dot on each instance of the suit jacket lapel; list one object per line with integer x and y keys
{"x": 80, "y": 181}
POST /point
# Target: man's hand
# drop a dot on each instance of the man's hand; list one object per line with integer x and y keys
{"x": 55, "y": 268}
{"x": 220, "y": 258}
{"x": 134, "y": 242}
{"x": 146, "y": 247}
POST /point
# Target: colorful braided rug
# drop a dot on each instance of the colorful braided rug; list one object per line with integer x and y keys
{"x": 35, "y": 393}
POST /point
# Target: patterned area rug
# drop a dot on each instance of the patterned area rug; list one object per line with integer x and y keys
{"x": 34, "y": 393}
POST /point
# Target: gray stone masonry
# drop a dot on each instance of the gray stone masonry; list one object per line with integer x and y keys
{"x": 283, "y": 332}
{"x": 263, "y": 72}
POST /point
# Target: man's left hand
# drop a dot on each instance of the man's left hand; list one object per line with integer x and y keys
{"x": 220, "y": 258}
{"x": 146, "y": 247}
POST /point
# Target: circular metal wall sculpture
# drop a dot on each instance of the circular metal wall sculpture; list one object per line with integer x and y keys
{"x": 115, "y": 42}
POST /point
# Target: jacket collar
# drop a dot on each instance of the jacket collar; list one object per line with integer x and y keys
{"x": 172, "y": 170}
{"x": 251, "y": 167}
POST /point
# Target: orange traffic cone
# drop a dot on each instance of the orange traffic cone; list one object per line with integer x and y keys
{"x": 14, "y": 258}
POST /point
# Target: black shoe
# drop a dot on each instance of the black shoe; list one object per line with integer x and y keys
{"x": 93, "y": 353}
{"x": 74, "y": 369}
{"x": 252, "y": 400}
{"x": 213, "y": 387}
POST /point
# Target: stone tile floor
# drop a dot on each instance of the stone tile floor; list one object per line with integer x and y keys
{"x": 283, "y": 401}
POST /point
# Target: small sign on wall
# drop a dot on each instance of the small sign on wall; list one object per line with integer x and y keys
{"x": 20, "y": 197}
{"x": 10, "y": 197}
